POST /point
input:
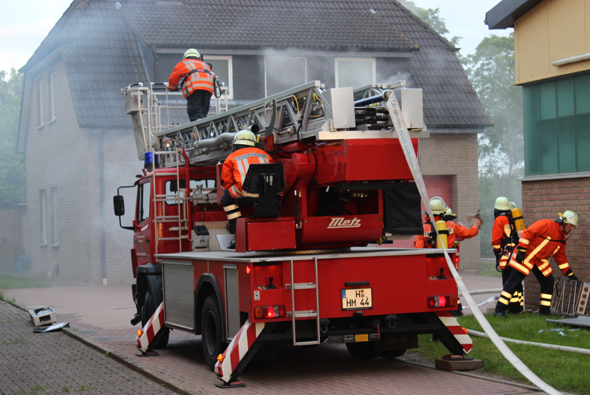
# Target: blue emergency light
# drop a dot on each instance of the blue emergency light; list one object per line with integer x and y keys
{"x": 148, "y": 159}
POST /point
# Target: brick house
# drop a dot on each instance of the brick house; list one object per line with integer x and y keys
{"x": 79, "y": 144}
{"x": 552, "y": 54}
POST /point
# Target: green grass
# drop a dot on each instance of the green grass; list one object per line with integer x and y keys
{"x": 489, "y": 269}
{"x": 563, "y": 370}
{"x": 8, "y": 281}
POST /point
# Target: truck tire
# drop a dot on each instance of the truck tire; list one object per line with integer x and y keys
{"x": 211, "y": 336}
{"x": 148, "y": 309}
{"x": 362, "y": 351}
{"x": 391, "y": 353}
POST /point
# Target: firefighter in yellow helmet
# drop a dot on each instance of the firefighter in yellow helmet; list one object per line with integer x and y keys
{"x": 233, "y": 172}
{"x": 504, "y": 240}
{"x": 541, "y": 240}
{"x": 196, "y": 81}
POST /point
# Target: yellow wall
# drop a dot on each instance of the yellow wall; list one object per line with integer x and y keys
{"x": 555, "y": 29}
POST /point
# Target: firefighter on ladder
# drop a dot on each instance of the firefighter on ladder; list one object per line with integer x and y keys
{"x": 455, "y": 232}
{"x": 233, "y": 172}
{"x": 543, "y": 239}
{"x": 505, "y": 238}
{"x": 196, "y": 81}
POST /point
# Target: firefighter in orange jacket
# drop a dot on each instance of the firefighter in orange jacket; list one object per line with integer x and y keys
{"x": 233, "y": 172}
{"x": 196, "y": 81}
{"x": 455, "y": 230}
{"x": 504, "y": 240}
{"x": 543, "y": 239}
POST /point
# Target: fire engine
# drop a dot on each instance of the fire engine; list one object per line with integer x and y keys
{"x": 306, "y": 268}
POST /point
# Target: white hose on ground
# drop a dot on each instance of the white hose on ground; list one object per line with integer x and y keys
{"x": 406, "y": 144}
{"x": 544, "y": 345}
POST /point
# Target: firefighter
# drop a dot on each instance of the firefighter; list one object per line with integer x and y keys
{"x": 504, "y": 240}
{"x": 543, "y": 239}
{"x": 195, "y": 78}
{"x": 456, "y": 232}
{"x": 233, "y": 173}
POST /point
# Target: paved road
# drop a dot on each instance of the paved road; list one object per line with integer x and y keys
{"x": 102, "y": 315}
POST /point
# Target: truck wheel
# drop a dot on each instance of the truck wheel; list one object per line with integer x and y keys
{"x": 148, "y": 309}
{"x": 391, "y": 353}
{"x": 211, "y": 336}
{"x": 365, "y": 350}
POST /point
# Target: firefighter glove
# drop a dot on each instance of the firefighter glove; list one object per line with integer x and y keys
{"x": 497, "y": 252}
{"x": 571, "y": 275}
{"x": 520, "y": 255}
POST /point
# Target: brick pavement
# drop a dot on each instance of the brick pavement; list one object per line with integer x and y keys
{"x": 50, "y": 363}
{"x": 102, "y": 314}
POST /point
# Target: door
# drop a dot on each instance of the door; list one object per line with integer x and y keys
{"x": 142, "y": 236}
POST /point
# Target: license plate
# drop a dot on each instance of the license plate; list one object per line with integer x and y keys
{"x": 357, "y": 298}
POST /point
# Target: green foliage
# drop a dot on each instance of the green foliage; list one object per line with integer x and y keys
{"x": 562, "y": 370}
{"x": 431, "y": 16}
{"x": 12, "y": 171}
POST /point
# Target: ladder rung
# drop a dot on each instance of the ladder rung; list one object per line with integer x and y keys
{"x": 309, "y": 343}
{"x": 173, "y": 238}
{"x": 298, "y": 286}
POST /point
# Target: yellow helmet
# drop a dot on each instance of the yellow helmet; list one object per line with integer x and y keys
{"x": 192, "y": 53}
{"x": 245, "y": 137}
{"x": 437, "y": 205}
{"x": 502, "y": 203}
{"x": 569, "y": 217}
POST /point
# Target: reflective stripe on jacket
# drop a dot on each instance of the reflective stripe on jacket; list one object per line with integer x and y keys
{"x": 542, "y": 240}
{"x": 455, "y": 230}
{"x": 235, "y": 167}
{"x": 199, "y": 77}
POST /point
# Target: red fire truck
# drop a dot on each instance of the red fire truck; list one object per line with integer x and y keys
{"x": 306, "y": 269}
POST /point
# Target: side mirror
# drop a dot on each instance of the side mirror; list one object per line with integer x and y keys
{"x": 119, "y": 205}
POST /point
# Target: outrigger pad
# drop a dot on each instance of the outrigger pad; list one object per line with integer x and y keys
{"x": 233, "y": 384}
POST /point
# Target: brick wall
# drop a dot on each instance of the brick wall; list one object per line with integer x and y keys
{"x": 455, "y": 155}
{"x": 544, "y": 199}
{"x": 62, "y": 156}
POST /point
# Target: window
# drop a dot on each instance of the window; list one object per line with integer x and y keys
{"x": 282, "y": 73}
{"x": 222, "y": 67}
{"x": 40, "y": 103}
{"x": 355, "y": 72}
{"x": 143, "y": 204}
{"x": 200, "y": 186}
{"x": 52, "y": 96}
{"x": 55, "y": 241}
{"x": 43, "y": 217}
{"x": 557, "y": 126}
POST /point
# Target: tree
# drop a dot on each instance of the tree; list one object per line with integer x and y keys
{"x": 431, "y": 16}
{"x": 12, "y": 169}
{"x": 501, "y": 148}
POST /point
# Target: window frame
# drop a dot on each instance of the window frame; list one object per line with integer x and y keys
{"x": 373, "y": 68}
{"x": 282, "y": 57}
{"x": 141, "y": 204}
{"x": 52, "y": 96}
{"x": 43, "y": 216}
{"x": 40, "y": 118}
{"x": 230, "y": 73}
{"x": 54, "y": 211}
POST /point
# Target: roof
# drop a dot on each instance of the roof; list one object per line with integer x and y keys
{"x": 101, "y": 53}
{"x": 506, "y": 12}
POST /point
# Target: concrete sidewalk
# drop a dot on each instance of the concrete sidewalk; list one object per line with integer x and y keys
{"x": 102, "y": 314}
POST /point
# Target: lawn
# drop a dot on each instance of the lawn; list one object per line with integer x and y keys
{"x": 489, "y": 269}
{"x": 563, "y": 370}
{"x": 8, "y": 281}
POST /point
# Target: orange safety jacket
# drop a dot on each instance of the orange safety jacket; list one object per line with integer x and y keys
{"x": 502, "y": 237}
{"x": 198, "y": 77}
{"x": 235, "y": 167}
{"x": 456, "y": 232}
{"x": 542, "y": 240}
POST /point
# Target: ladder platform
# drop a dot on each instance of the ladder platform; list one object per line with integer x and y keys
{"x": 302, "y": 286}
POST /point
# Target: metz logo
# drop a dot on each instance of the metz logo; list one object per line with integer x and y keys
{"x": 344, "y": 223}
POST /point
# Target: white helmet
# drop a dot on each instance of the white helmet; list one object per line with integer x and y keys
{"x": 437, "y": 205}
{"x": 502, "y": 203}
{"x": 245, "y": 137}
{"x": 513, "y": 206}
{"x": 192, "y": 53}
{"x": 569, "y": 217}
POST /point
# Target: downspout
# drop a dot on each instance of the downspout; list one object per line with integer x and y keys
{"x": 102, "y": 188}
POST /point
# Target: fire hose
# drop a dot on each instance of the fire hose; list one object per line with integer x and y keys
{"x": 406, "y": 144}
